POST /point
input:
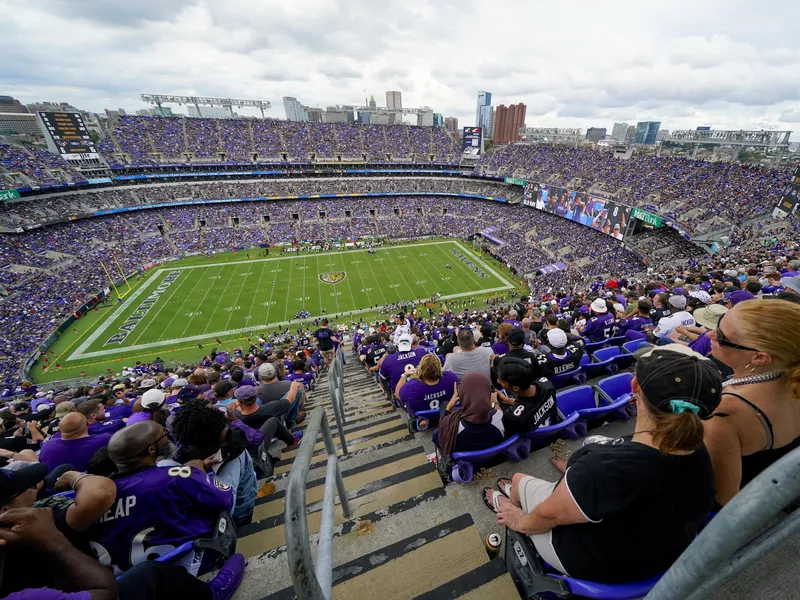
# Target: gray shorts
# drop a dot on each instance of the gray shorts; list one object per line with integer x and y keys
{"x": 532, "y": 492}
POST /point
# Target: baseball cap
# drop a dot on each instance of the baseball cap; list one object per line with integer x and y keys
{"x": 15, "y": 481}
{"x": 731, "y": 272}
{"x": 516, "y": 337}
{"x": 599, "y": 306}
{"x": 792, "y": 283}
{"x": 179, "y": 383}
{"x": 64, "y": 408}
{"x": 267, "y": 371}
{"x": 245, "y": 393}
{"x": 147, "y": 383}
{"x": 167, "y": 382}
{"x": 556, "y": 338}
{"x": 40, "y": 394}
{"x": 704, "y": 297}
{"x": 678, "y": 302}
{"x": 118, "y": 387}
{"x": 740, "y": 296}
{"x": 404, "y": 343}
{"x": 152, "y": 400}
{"x": 709, "y": 316}
{"x": 583, "y": 310}
{"x": 672, "y": 376}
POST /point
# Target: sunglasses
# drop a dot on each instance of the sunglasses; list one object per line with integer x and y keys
{"x": 723, "y": 341}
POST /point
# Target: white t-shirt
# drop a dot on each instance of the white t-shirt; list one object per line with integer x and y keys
{"x": 668, "y": 324}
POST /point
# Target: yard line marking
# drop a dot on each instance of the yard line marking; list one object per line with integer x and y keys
{"x": 236, "y": 302}
{"x": 216, "y": 306}
{"x": 161, "y": 307}
{"x": 257, "y": 292}
{"x": 212, "y": 334}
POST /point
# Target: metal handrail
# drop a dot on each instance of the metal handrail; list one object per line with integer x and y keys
{"x": 336, "y": 392}
{"x": 312, "y": 583}
{"x": 726, "y": 545}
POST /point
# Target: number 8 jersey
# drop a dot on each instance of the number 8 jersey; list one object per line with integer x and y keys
{"x": 156, "y": 510}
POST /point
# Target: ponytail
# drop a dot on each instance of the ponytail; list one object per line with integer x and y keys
{"x": 793, "y": 375}
{"x": 676, "y": 432}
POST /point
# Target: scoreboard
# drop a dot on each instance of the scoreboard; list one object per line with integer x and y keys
{"x": 790, "y": 198}
{"x": 68, "y": 135}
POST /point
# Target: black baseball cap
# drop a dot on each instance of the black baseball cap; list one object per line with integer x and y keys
{"x": 24, "y": 476}
{"x": 675, "y": 372}
{"x": 516, "y": 337}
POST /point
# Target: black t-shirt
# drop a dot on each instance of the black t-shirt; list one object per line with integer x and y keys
{"x": 568, "y": 359}
{"x": 658, "y": 313}
{"x": 324, "y": 337}
{"x": 536, "y": 326}
{"x": 529, "y": 357}
{"x": 446, "y": 347}
{"x": 645, "y": 508}
{"x": 276, "y": 408}
{"x": 374, "y": 355}
{"x": 527, "y": 413}
{"x": 485, "y": 342}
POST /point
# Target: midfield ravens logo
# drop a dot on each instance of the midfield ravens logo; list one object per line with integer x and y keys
{"x": 332, "y": 277}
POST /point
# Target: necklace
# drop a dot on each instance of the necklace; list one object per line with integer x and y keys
{"x": 748, "y": 379}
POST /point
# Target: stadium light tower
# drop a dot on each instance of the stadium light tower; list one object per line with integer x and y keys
{"x": 226, "y": 103}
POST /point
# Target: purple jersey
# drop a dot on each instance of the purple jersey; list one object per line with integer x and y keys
{"x": 394, "y": 365}
{"x": 111, "y": 426}
{"x": 156, "y": 510}
{"x": 304, "y": 378}
{"x": 599, "y": 327}
{"x": 77, "y": 453}
{"x": 636, "y": 323}
{"x": 418, "y": 395}
{"x": 701, "y": 345}
{"x": 500, "y": 348}
{"x": 119, "y": 411}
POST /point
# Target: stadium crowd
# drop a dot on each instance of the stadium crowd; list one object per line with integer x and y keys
{"x": 148, "y": 432}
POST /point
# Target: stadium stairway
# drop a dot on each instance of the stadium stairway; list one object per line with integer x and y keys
{"x": 407, "y": 538}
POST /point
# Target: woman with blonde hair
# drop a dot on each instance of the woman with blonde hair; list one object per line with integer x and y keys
{"x": 430, "y": 389}
{"x": 758, "y": 420}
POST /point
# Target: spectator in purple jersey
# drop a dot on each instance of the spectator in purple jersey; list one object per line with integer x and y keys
{"x": 95, "y": 413}
{"x": 392, "y": 366}
{"x": 500, "y": 347}
{"x": 72, "y": 445}
{"x": 149, "y": 497}
{"x": 430, "y": 389}
{"x": 600, "y": 325}
{"x": 298, "y": 373}
{"x": 638, "y": 320}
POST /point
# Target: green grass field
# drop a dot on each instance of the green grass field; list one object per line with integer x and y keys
{"x": 172, "y": 308}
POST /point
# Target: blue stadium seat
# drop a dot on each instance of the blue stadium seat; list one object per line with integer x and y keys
{"x": 575, "y": 377}
{"x": 622, "y": 360}
{"x": 634, "y": 345}
{"x": 617, "y": 390}
{"x": 590, "y": 408}
{"x": 543, "y": 436}
{"x": 591, "y": 347}
{"x": 461, "y": 465}
{"x": 535, "y": 579}
{"x": 597, "y": 368}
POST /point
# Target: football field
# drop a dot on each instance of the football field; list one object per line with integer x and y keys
{"x": 179, "y": 305}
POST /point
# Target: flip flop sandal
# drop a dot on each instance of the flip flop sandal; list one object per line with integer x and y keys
{"x": 494, "y": 505}
{"x": 504, "y": 485}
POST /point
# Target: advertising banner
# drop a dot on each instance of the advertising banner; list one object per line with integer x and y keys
{"x": 515, "y": 181}
{"x": 471, "y": 141}
{"x": 647, "y": 217}
{"x": 9, "y": 195}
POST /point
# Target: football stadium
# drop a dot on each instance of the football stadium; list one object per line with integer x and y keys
{"x": 363, "y": 352}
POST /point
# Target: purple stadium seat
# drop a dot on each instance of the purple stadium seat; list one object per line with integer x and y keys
{"x": 622, "y": 360}
{"x": 634, "y": 345}
{"x": 597, "y": 368}
{"x": 569, "y": 378}
{"x": 461, "y": 465}
{"x": 582, "y": 399}
{"x": 542, "y": 436}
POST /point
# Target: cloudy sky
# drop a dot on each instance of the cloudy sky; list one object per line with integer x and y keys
{"x": 729, "y": 64}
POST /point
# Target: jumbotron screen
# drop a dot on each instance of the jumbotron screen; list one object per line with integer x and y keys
{"x": 69, "y": 134}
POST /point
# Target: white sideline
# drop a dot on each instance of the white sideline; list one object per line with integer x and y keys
{"x": 80, "y": 354}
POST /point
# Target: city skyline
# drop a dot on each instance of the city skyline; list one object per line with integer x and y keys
{"x": 718, "y": 68}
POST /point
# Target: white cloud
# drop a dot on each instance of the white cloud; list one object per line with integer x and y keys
{"x": 728, "y": 64}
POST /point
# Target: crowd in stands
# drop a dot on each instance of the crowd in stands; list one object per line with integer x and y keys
{"x": 152, "y": 140}
{"x": 26, "y": 166}
{"x": 148, "y": 432}
{"x": 692, "y": 192}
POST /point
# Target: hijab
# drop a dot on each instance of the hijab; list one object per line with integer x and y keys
{"x": 475, "y": 392}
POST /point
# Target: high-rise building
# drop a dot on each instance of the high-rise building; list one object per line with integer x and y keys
{"x": 362, "y": 117}
{"x": 662, "y": 135}
{"x": 646, "y": 132}
{"x": 619, "y": 131}
{"x": 484, "y": 116}
{"x": 11, "y": 105}
{"x": 294, "y": 110}
{"x": 336, "y": 114}
{"x": 595, "y": 134}
{"x": 630, "y": 135}
{"x": 508, "y": 120}
{"x": 438, "y": 120}
{"x": 372, "y": 103}
{"x": 451, "y": 124}
{"x": 314, "y": 114}
{"x": 394, "y": 100}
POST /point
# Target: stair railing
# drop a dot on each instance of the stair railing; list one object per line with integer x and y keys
{"x": 312, "y": 583}
{"x": 336, "y": 391}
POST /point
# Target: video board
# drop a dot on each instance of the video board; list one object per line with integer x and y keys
{"x": 69, "y": 134}
{"x": 592, "y": 211}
